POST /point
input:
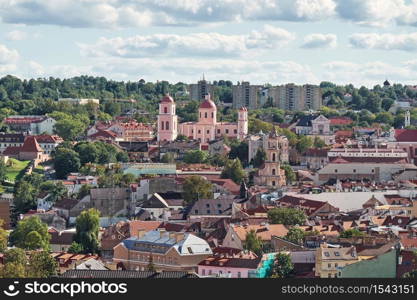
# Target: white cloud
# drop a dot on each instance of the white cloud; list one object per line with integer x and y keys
{"x": 319, "y": 40}
{"x": 405, "y": 42}
{"x": 133, "y": 13}
{"x": 16, "y": 35}
{"x": 237, "y": 70}
{"x": 368, "y": 74}
{"x": 8, "y": 59}
{"x": 192, "y": 45}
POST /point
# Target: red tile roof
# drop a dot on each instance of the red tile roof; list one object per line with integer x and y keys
{"x": 207, "y": 104}
{"x": 31, "y": 145}
{"x": 334, "y": 121}
{"x": 11, "y": 151}
{"x": 381, "y": 160}
{"x": 167, "y": 99}
{"x": 406, "y": 135}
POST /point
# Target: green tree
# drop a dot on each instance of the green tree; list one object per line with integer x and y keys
{"x": 295, "y": 235}
{"x": 289, "y": 173}
{"x": 24, "y": 197}
{"x": 122, "y": 156}
{"x": 253, "y": 243}
{"x": 349, "y": 233}
{"x": 259, "y": 158}
{"x": 76, "y": 248}
{"x": 65, "y": 162}
{"x": 42, "y": 265}
{"x": 283, "y": 267}
{"x": 233, "y": 170}
{"x": 286, "y": 216}
{"x": 384, "y": 117}
{"x": 55, "y": 189}
{"x": 168, "y": 158}
{"x": 318, "y": 143}
{"x": 70, "y": 128}
{"x": 84, "y": 190}
{"x": 3, "y": 170}
{"x": 31, "y": 234}
{"x": 13, "y": 270}
{"x": 87, "y": 230}
{"x": 195, "y": 157}
{"x": 303, "y": 144}
{"x": 4, "y": 237}
{"x": 196, "y": 187}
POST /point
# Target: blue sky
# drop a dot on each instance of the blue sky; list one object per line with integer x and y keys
{"x": 362, "y": 42}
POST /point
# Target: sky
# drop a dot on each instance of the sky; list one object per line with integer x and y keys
{"x": 363, "y": 42}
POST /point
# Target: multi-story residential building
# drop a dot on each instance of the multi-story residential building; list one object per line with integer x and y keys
{"x": 270, "y": 173}
{"x": 31, "y": 124}
{"x": 199, "y": 90}
{"x": 295, "y": 97}
{"x": 246, "y": 95}
{"x": 330, "y": 260}
{"x": 167, "y": 251}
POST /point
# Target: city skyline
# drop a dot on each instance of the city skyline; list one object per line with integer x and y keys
{"x": 276, "y": 42}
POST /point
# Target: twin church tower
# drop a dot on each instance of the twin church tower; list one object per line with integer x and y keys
{"x": 206, "y": 129}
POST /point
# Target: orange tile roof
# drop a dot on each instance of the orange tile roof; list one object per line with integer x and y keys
{"x": 262, "y": 231}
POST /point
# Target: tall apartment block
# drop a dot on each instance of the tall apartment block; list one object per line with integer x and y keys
{"x": 246, "y": 95}
{"x": 199, "y": 90}
{"x": 295, "y": 97}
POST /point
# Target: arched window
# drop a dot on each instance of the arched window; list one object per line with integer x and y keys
{"x": 165, "y": 110}
{"x": 205, "y": 115}
{"x": 273, "y": 172}
{"x": 212, "y": 115}
{"x": 167, "y": 125}
{"x": 273, "y": 157}
{"x": 162, "y": 125}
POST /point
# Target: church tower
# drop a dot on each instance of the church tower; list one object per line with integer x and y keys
{"x": 242, "y": 123}
{"x": 407, "y": 121}
{"x": 167, "y": 120}
{"x": 270, "y": 173}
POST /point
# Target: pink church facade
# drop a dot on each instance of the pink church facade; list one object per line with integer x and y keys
{"x": 206, "y": 129}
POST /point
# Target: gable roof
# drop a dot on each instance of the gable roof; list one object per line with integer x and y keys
{"x": 305, "y": 121}
{"x": 265, "y": 232}
{"x": 406, "y": 135}
{"x": 31, "y": 145}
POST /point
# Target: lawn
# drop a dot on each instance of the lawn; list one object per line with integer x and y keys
{"x": 14, "y": 168}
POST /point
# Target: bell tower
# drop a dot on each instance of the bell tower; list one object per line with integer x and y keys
{"x": 167, "y": 120}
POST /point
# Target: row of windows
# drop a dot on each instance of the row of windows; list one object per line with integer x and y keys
{"x": 226, "y": 131}
{"x": 210, "y": 272}
{"x": 206, "y": 115}
{"x": 354, "y": 170}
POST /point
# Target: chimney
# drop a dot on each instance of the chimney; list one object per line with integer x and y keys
{"x": 172, "y": 235}
{"x": 141, "y": 233}
{"x": 161, "y": 232}
{"x": 179, "y": 236}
